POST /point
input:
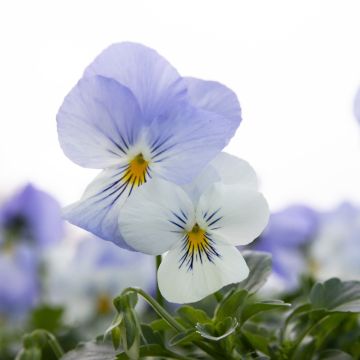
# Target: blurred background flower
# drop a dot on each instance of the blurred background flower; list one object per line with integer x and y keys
{"x": 286, "y": 237}
{"x": 86, "y": 280}
{"x": 30, "y": 221}
{"x": 335, "y": 251}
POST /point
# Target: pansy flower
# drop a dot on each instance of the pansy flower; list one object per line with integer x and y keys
{"x": 199, "y": 225}
{"x": 86, "y": 281}
{"x": 136, "y": 118}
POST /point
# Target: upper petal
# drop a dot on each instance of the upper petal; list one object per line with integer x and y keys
{"x": 224, "y": 168}
{"x": 179, "y": 284}
{"x": 186, "y": 141}
{"x": 153, "y": 81}
{"x": 155, "y": 217}
{"x": 233, "y": 170}
{"x": 215, "y": 97}
{"x": 97, "y": 122}
{"x": 233, "y": 214}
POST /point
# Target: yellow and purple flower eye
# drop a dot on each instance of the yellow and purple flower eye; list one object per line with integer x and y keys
{"x": 135, "y": 117}
{"x": 199, "y": 230}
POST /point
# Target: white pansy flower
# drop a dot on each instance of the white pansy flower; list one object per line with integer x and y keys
{"x": 199, "y": 226}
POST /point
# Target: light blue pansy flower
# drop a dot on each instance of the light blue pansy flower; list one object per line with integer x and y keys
{"x": 136, "y": 118}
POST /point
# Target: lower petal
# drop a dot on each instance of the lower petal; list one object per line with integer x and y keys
{"x": 98, "y": 210}
{"x": 156, "y": 216}
{"x": 179, "y": 284}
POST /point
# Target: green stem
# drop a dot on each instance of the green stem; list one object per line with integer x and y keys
{"x": 157, "y": 308}
{"x": 170, "y": 320}
{"x": 159, "y": 297}
{"x": 55, "y": 346}
{"x": 304, "y": 334}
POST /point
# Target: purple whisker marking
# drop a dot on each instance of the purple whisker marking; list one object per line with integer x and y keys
{"x": 215, "y": 221}
{"x": 176, "y": 224}
{"x": 212, "y": 215}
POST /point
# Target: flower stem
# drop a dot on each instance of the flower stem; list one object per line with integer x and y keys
{"x": 159, "y": 297}
{"x": 209, "y": 349}
{"x": 157, "y": 308}
{"x": 55, "y": 346}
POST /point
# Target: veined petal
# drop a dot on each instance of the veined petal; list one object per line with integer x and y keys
{"x": 232, "y": 214}
{"x": 98, "y": 209}
{"x": 97, "y": 122}
{"x": 180, "y": 284}
{"x": 156, "y": 217}
{"x": 188, "y": 140}
{"x": 215, "y": 97}
{"x": 153, "y": 81}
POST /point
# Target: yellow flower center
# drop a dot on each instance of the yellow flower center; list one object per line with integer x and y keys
{"x": 196, "y": 238}
{"x": 104, "y": 304}
{"x": 198, "y": 246}
{"x": 136, "y": 171}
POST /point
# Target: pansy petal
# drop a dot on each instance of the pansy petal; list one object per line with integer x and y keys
{"x": 182, "y": 146}
{"x": 155, "y": 217}
{"x": 98, "y": 209}
{"x": 152, "y": 80}
{"x": 225, "y": 168}
{"x": 215, "y": 97}
{"x": 232, "y": 214}
{"x": 233, "y": 170}
{"x": 179, "y": 284}
{"x": 97, "y": 122}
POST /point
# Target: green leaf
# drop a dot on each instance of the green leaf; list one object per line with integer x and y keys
{"x": 150, "y": 336}
{"x": 185, "y": 337}
{"x": 251, "y": 310}
{"x": 116, "y": 337}
{"x": 155, "y": 351}
{"x": 258, "y": 337}
{"x": 115, "y": 324}
{"x": 231, "y": 304}
{"x": 33, "y": 353}
{"x": 260, "y": 265}
{"x": 132, "y": 330}
{"x": 126, "y": 301}
{"x": 160, "y": 325}
{"x": 47, "y": 317}
{"x": 334, "y": 355}
{"x": 91, "y": 351}
{"x": 222, "y": 330}
{"x": 306, "y": 351}
{"x": 193, "y": 316}
{"x": 336, "y": 296}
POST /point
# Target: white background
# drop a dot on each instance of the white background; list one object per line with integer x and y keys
{"x": 295, "y": 66}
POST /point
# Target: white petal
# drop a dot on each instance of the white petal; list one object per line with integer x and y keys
{"x": 224, "y": 168}
{"x": 182, "y": 285}
{"x": 233, "y": 170}
{"x": 233, "y": 214}
{"x": 155, "y": 217}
